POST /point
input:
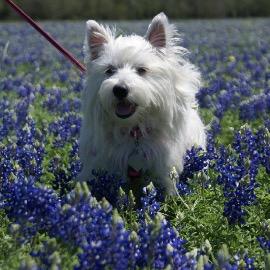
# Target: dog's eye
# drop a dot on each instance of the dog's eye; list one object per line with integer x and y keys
{"x": 110, "y": 71}
{"x": 141, "y": 70}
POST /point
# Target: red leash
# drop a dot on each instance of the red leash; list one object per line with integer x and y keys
{"x": 66, "y": 53}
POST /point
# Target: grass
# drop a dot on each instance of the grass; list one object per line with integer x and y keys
{"x": 197, "y": 217}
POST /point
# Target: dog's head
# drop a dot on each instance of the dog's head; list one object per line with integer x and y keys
{"x": 135, "y": 76}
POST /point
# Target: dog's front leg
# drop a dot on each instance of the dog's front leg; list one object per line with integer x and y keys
{"x": 166, "y": 181}
{"x": 168, "y": 184}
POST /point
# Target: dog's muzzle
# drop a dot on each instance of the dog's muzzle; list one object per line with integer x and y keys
{"x": 124, "y": 108}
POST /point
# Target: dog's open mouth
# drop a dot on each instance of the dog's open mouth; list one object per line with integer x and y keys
{"x": 125, "y": 109}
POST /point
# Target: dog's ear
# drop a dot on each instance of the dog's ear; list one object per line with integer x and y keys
{"x": 157, "y": 33}
{"x": 96, "y": 36}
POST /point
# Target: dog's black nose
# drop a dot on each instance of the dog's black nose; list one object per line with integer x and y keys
{"x": 120, "y": 91}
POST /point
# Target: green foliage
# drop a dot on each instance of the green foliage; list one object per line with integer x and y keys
{"x": 140, "y": 9}
{"x": 11, "y": 253}
{"x": 199, "y": 217}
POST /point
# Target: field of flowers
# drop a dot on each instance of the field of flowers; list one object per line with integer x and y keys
{"x": 222, "y": 218}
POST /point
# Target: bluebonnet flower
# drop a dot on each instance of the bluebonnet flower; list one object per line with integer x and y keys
{"x": 29, "y": 264}
{"x": 254, "y": 108}
{"x": 78, "y": 85}
{"x": 215, "y": 127}
{"x": 47, "y": 255}
{"x": 70, "y": 105}
{"x": 81, "y": 221}
{"x": 63, "y": 180}
{"x": 25, "y": 90}
{"x": 196, "y": 160}
{"x": 237, "y": 175}
{"x": 27, "y": 204}
{"x": 22, "y": 109}
{"x": 65, "y": 128}
{"x": 161, "y": 246}
{"x": 26, "y": 152}
{"x": 53, "y": 99}
{"x": 103, "y": 184}
{"x": 264, "y": 239}
{"x": 237, "y": 80}
{"x": 75, "y": 164}
{"x": 7, "y": 119}
{"x": 110, "y": 244}
{"x": 149, "y": 202}
{"x": 264, "y": 243}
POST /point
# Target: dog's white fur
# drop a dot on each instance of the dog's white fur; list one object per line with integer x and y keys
{"x": 164, "y": 94}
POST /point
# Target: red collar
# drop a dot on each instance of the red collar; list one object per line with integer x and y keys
{"x": 136, "y": 133}
{"x": 133, "y": 174}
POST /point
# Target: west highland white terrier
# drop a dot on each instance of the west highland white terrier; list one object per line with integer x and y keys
{"x": 139, "y": 108}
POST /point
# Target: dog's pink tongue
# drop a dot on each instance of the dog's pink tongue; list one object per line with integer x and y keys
{"x": 124, "y": 109}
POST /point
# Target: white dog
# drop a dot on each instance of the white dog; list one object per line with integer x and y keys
{"x": 139, "y": 106}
